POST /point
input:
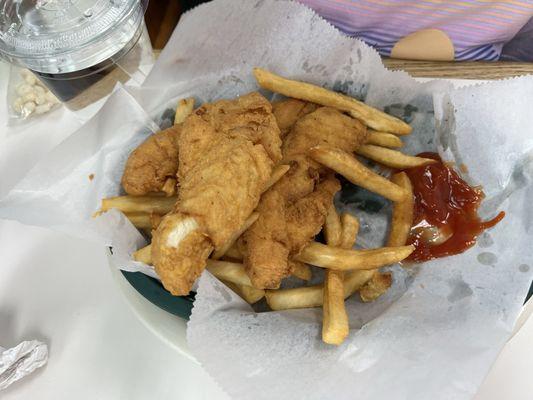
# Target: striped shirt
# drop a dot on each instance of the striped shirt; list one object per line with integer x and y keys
{"x": 477, "y": 29}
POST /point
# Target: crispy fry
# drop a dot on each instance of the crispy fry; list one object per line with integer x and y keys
{"x": 392, "y": 158}
{"x": 313, "y": 296}
{"x": 349, "y": 167}
{"x": 229, "y": 271}
{"x": 402, "y": 220}
{"x": 402, "y": 212}
{"x": 169, "y": 188}
{"x": 372, "y": 117}
{"x": 220, "y": 252}
{"x": 146, "y": 204}
{"x": 140, "y": 220}
{"x": 335, "y": 326}
{"x": 350, "y": 229}
{"x": 353, "y": 280}
{"x": 277, "y": 173}
{"x": 183, "y": 110}
{"x": 341, "y": 259}
{"x": 383, "y": 139}
{"x": 144, "y": 255}
{"x": 248, "y": 293}
{"x": 333, "y": 227}
{"x": 302, "y": 297}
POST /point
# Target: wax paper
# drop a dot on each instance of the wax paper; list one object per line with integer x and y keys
{"x": 435, "y": 333}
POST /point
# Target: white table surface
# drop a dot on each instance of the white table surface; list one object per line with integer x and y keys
{"x": 59, "y": 290}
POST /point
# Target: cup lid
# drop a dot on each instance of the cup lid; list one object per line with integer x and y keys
{"x": 56, "y": 36}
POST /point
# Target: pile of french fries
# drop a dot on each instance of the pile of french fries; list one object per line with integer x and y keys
{"x": 346, "y": 270}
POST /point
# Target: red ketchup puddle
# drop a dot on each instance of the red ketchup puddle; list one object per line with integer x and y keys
{"x": 445, "y": 216}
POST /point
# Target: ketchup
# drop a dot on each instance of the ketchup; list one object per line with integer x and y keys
{"x": 445, "y": 220}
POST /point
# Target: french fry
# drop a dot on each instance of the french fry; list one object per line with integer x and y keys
{"x": 353, "y": 170}
{"x": 350, "y": 229}
{"x": 391, "y": 158}
{"x": 335, "y": 325}
{"x": 248, "y": 293}
{"x": 169, "y": 187}
{"x": 233, "y": 275}
{"x": 140, "y": 220}
{"x": 313, "y": 296}
{"x": 372, "y": 117}
{"x": 146, "y": 204}
{"x": 383, "y": 139}
{"x": 277, "y": 173}
{"x": 353, "y": 280}
{"x": 220, "y": 252}
{"x": 229, "y": 271}
{"x": 344, "y": 260}
{"x": 300, "y": 270}
{"x": 183, "y": 110}
{"x": 144, "y": 255}
{"x": 402, "y": 220}
{"x": 402, "y": 212}
{"x": 333, "y": 227}
{"x": 302, "y": 297}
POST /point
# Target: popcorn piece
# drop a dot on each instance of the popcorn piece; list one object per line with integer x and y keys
{"x": 41, "y": 109}
{"x": 28, "y": 107}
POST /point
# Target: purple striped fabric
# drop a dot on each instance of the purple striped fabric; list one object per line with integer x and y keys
{"x": 478, "y": 29}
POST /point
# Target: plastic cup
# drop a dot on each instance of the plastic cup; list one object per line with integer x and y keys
{"x": 79, "y": 49}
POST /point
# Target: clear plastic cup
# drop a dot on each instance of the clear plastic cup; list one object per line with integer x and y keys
{"x": 78, "y": 48}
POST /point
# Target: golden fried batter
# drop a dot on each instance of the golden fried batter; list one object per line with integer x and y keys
{"x": 227, "y": 153}
{"x": 288, "y": 111}
{"x": 325, "y": 126}
{"x": 266, "y": 244}
{"x": 150, "y": 164}
{"x": 293, "y": 211}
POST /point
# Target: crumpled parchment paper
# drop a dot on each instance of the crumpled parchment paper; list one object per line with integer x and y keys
{"x": 442, "y": 324}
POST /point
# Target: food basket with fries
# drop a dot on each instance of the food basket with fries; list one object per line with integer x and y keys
{"x": 323, "y": 209}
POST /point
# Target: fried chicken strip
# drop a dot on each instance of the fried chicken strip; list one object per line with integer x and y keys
{"x": 293, "y": 211}
{"x": 152, "y": 166}
{"x": 152, "y": 163}
{"x": 288, "y": 111}
{"x": 227, "y": 152}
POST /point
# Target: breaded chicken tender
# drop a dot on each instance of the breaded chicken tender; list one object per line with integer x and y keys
{"x": 152, "y": 163}
{"x": 288, "y": 111}
{"x": 227, "y": 152}
{"x": 156, "y": 159}
{"x": 293, "y": 211}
